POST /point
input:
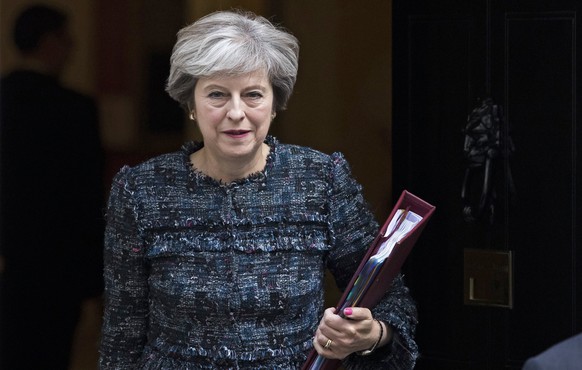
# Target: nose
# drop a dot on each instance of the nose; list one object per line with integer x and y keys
{"x": 235, "y": 110}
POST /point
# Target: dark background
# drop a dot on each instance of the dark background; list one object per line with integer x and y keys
{"x": 523, "y": 54}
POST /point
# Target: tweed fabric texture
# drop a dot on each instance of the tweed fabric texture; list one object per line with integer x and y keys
{"x": 205, "y": 275}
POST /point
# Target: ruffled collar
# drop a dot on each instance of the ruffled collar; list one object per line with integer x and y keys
{"x": 201, "y": 178}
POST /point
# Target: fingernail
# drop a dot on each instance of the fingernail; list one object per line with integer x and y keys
{"x": 348, "y": 311}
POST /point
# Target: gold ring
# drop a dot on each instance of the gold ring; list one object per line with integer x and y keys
{"x": 327, "y": 344}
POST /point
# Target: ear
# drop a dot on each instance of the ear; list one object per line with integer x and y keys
{"x": 192, "y": 113}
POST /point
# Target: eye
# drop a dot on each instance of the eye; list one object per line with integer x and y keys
{"x": 254, "y": 94}
{"x": 216, "y": 95}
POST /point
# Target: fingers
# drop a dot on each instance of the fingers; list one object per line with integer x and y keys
{"x": 327, "y": 335}
{"x": 331, "y": 322}
{"x": 357, "y": 313}
{"x": 362, "y": 319}
{"x": 324, "y": 346}
{"x": 337, "y": 337}
{"x": 328, "y": 344}
{"x": 335, "y": 326}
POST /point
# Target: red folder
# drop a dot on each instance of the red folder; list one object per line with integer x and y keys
{"x": 390, "y": 267}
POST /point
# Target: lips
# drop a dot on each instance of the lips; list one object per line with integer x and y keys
{"x": 236, "y": 132}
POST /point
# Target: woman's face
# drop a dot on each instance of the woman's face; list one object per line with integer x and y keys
{"x": 234, "y": 114}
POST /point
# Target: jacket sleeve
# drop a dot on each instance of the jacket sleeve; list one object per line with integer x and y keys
{"x": 353, "y": 229}
{"x": 125, "y": 273}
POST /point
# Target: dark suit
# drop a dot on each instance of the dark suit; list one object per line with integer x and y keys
{"x": 51, "y": 217}
{"x": 566, "y": 355}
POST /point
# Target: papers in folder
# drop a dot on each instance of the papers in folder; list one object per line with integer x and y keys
{"x": 400, "y": 225}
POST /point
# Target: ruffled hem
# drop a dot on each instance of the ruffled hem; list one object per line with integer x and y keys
{"x": 184, "y": 244}
{"x": 195, "y": 357}
{"x": 249, "y": 221}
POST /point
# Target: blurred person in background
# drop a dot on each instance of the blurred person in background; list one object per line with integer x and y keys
{"x": 51, "y": 198}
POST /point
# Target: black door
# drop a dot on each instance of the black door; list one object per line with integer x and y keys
{"x": 448, "y": 56}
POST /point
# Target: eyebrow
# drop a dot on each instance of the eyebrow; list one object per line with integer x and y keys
{"x": 251, "y": 87}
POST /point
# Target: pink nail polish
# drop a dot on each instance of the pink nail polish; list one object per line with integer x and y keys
{"x": 347, "y": 311}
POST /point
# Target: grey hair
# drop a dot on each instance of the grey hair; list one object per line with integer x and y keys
{"x": 233, "y": 43}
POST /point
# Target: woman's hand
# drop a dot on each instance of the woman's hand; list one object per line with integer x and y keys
{"x": 337, "y": 337}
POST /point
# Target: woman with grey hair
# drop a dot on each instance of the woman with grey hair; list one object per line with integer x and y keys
{"x": 215, "y": 254}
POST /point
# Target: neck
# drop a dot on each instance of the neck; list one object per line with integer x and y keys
{"x": 228, "y": 171}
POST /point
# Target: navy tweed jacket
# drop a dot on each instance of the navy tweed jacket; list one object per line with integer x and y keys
{"x": 204, "y": 275}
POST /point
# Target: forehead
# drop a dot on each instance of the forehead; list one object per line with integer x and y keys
{"x": 256, "y": 78}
